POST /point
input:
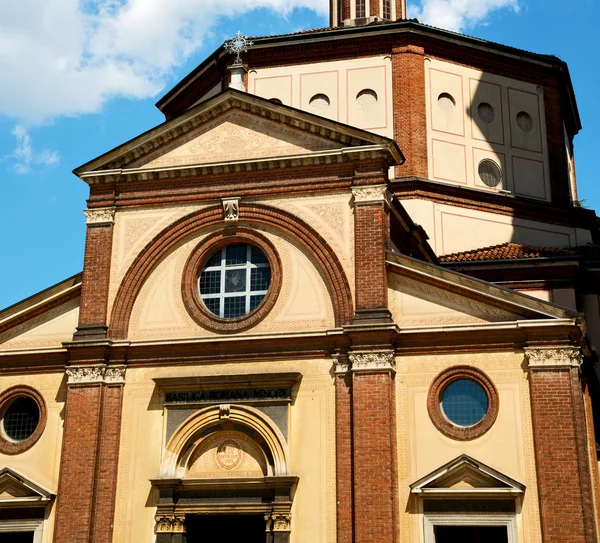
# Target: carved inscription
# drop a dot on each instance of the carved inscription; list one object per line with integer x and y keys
{"x": 230, "y": 395}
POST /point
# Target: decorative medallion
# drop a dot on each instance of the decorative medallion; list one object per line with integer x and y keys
{"x": 229, "y": 454}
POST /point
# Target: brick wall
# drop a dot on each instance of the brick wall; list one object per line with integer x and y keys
{"x": 375, "y": 477}
{"x": 566, "y": 496}
{"x": 410, "y": 125}
{"x": 96, "y": 276}
{"x": 343, "y": 449}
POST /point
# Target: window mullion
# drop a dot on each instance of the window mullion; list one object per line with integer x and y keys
{"x": 222, "y": 289}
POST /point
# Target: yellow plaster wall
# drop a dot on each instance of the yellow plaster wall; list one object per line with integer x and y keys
{"x": 311, "y": 445}
{"x": 507, "y": 447}
{"x": 454, "y": 229}
{"x": 458, "y": 138}
{"x": 41, "y": 462}
{"x": 47, "y": 330}
{"x": 341, "y": 82}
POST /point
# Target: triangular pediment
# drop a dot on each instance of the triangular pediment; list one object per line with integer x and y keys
{"x": 16, "y": 489}
{"x": 466, "y": 476}
{"x": 236, "y": 128}
{"x": 421, "y": 293}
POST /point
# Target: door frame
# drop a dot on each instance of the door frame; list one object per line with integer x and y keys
{"x": 470, "y": 519}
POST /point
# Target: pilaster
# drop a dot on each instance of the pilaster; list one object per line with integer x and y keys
{"x": 561, "y": 447}
{"x": 371, "y": 239}
{"x": 96, "y": 274}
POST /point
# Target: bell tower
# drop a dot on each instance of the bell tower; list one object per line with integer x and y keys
{"x": 363, "y": 12}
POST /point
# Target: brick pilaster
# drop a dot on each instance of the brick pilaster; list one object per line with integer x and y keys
{"x": 410, "y": 125}
{"x": 88, "y": 469}
{"x": 371, "y": 239}
{"x": 561, "y": 448}
{"x": 374, "y": 8}
{"x": 96, "y": 274}
{"x": 343, "y": 449}
{"x": 374, "y": 446}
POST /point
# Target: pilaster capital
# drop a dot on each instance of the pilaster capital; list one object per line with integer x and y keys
{"x": 370, "y": 194}
{"x": 551, "y": 357}
{"x": 96, "y": 373}
{"x": 376, "y": 359}
{"x": 342, "y": 363}
{"x": 282, "y": 522}
{"x": 169, "y": 524}
{"x": 100, "y": 216}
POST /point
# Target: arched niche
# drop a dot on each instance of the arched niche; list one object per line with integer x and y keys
{"x": 235, "y": 440}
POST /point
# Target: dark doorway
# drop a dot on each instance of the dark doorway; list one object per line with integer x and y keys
{"x": 17, "y": 537}
{"x": 471, "y": 534}
{"x": 246, "y": 528}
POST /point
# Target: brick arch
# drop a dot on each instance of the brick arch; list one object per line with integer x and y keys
{"x": 317, "y": 247}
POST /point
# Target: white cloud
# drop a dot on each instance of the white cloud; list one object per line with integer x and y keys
{"x": 67, "y": 57}
{"x": 24, "y": 156}
{"x": 457, "y": 14}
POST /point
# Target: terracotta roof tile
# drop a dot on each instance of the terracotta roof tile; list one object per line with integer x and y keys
{"x": 507, "y": 251}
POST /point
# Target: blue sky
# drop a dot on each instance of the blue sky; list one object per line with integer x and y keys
{"x": 82, "y": 76}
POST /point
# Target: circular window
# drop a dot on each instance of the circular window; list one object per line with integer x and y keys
{"x": 463, "y": 403}
{"x": 366, "y": 99}
{"x": 231, "y": 280}
{"x": 489, "y": 173}
{"x": 234, "y": 280}
{"x": 524, "y": 121}
{"x": 446, "y": 102}
{"x": 276, "y": 101}
{"x": 319, "y": 103}
{"x": 23, "y": 418}
{"x": 485, "y": 112}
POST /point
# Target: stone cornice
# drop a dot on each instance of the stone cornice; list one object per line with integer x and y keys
{"x": 541, "y": 358}
{"x": 373, "y": 360}
{"x": 97, "y": 373}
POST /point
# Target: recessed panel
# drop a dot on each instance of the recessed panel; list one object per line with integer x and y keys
{"x": 446, "y": 102}
{"x": 529, "y": 178}
{"x": 486, "y": 111}
{"x": 525, "y": 127}
{"x": 319, "y": 94}
{"x": 367, "y": 99}
{"x": 275, "y": 88}
{"x": 449, "y": 162}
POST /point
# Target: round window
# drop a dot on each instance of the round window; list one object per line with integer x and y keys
{"x": 464, "y": 402}
{"x": 20, "y": 419}
{"x": 489, "y": 173}
{"x": 234, "y": 280}
{"x": 486, "y": 112}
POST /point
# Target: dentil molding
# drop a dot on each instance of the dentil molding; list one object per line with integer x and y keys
{"x": 100, "y": 216}
{"x": 372, "y": 194}
{"x": 97, "y": 373}
{"x": 380, "y": 359}
{"x": 553, "y": 357}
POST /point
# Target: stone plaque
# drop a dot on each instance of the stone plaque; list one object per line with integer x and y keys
{"x": 229, "y": 454}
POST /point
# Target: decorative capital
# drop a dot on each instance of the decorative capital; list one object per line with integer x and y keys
{"x": 231, "y": 209}
{"x": 83, "y": 375}
{"x": 372, "y": 194}
{"x": 168, "y": 524}
{"x": 342, "y": 363}
{"x": 281, "y": 522}
{"x": 553, "y": 357}
{"x": 381, "y": 359}
{"x": 97, "y": 373}
{"x": 100, "y": 216}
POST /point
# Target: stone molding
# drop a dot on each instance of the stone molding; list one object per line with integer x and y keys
{"x": 99, "y": 217}
{"x": 97, "y": 373}
{"x": 372, "y": 194}
{"x": 231, "y": 209}
{"x": 380, "y": 359}
{"x": 540, "y": 358}
{"x": 169, "y": 524}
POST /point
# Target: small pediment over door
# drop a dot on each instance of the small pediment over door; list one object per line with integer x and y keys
{"x": 16, "y": 490}
{"x": 467, "y": 478}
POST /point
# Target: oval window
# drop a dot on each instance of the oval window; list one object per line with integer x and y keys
{"x": 20, "y": 419}
{"x": 464, "y": 402}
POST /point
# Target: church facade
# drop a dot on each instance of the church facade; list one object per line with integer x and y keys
{"x": 344, "y": 293}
